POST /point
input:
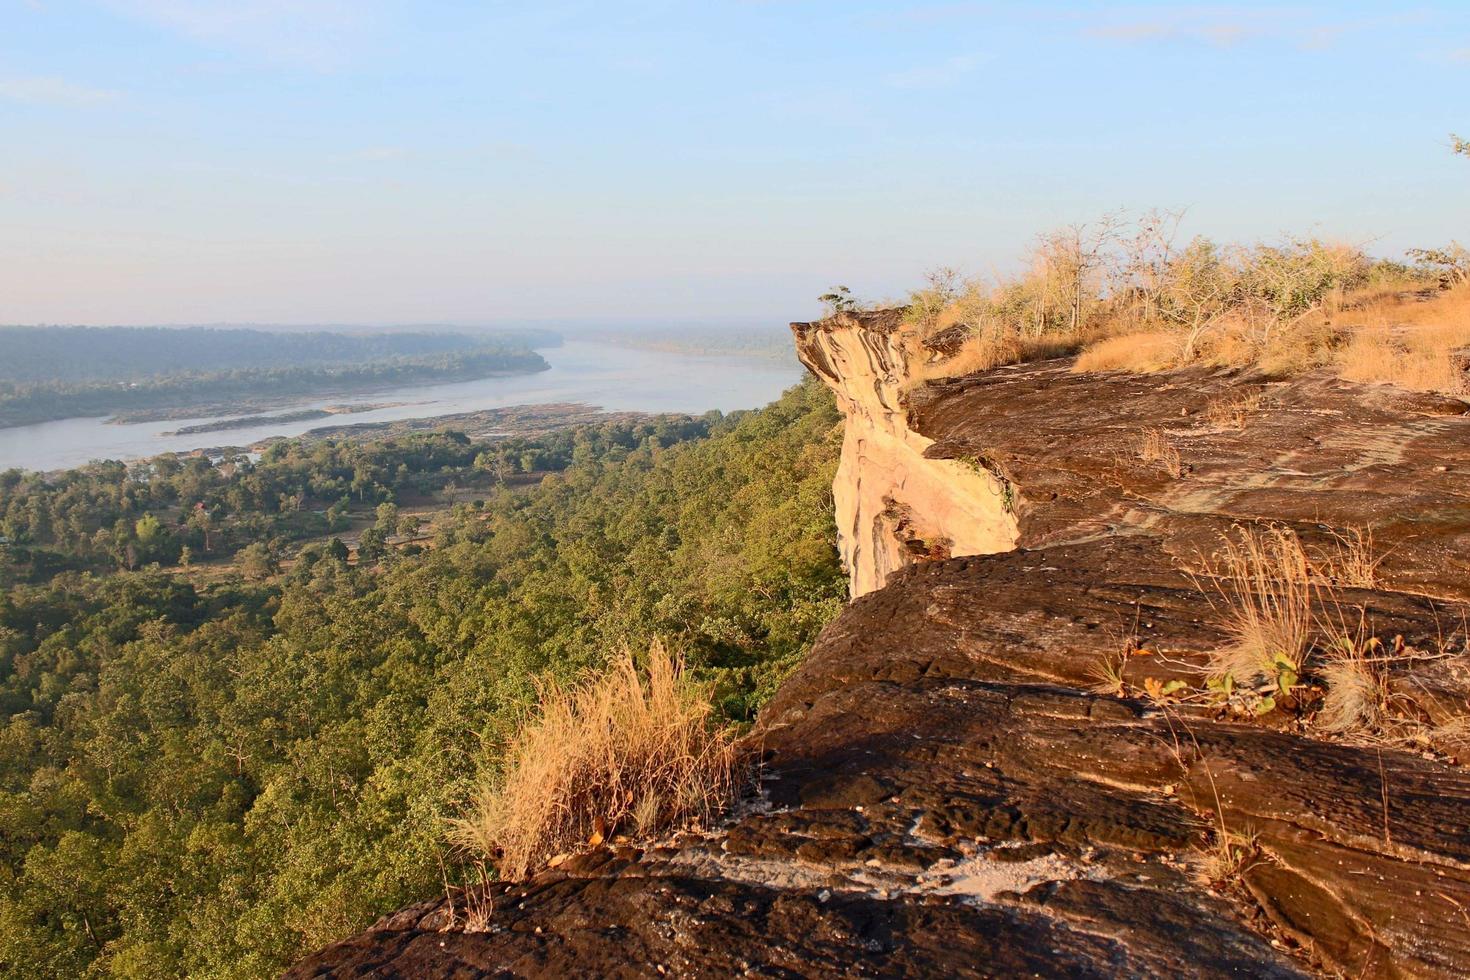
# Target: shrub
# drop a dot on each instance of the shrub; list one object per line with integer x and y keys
{"x": 628, "y": 752}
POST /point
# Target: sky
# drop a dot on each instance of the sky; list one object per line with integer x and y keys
{"x": 372, "y": 161}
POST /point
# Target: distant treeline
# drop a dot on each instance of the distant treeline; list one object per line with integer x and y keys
{"x": 26, "y": 403}
{"x": 75, "y": 354}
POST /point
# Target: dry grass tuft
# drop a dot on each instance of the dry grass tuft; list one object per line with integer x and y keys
{"x": 1229, "y": 858}
{"x": 1452, "y": 736}
{"x": 631, "y": 751}
{"x": 1108, "y": 672}
{"x": 1352, "y": 561}
{"x": 1232, "y": 413}
{"x": 1156, "y": 448}
{"x": 1356, "y": 699}
{"x": 1263, "y": 577}
{"x": 1143, "y": 352}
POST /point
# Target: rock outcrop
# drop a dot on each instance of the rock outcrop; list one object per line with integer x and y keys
{"x": 952, "y": 784}
{"x": 895, "y": 505}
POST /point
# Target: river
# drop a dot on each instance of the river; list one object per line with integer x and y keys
{"x": 611, "y": 377}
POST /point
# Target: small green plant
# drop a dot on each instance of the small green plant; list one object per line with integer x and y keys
{"x": 1005, "y": 487}
{"x": 1163, "y": 690}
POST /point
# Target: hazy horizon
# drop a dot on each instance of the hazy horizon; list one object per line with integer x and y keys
{"x": 201, "y": 162}
{"x": 549, "y": 323}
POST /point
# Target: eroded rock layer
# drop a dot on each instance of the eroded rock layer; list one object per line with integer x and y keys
{"x": 894, "y": 504}
{"x": 952, "y": 783}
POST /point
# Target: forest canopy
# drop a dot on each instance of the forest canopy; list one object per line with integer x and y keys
{"x": 208, "y": 777}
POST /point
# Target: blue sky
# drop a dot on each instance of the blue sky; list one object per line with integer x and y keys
{"x": 174, "y": 161}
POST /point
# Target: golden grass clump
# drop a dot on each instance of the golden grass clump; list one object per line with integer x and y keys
{"x": 1352, "y": 561}
{"x": 1156, "y": 448}
{"x": 1228, "y": 858}
{"x": 630, "y": 751}
{"x": 1143, "y": 352}
{"x": 1355, "y": 678}
{"x": 1416, "y": 357}
{"x": 1354, "y": 696}
{"x": 1264, "y": 578}
{"x": 985, "y": 349}
{"x": 1232, "y": 413}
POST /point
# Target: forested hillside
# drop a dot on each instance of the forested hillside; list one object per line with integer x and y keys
{"x": 211, "y": 779}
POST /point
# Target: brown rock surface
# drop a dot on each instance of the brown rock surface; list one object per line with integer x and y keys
{"x": 945, "y": 791}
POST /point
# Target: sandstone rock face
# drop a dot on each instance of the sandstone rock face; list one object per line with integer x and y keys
{"x": 950, "y": 788}
{"x": 894, "y": 505}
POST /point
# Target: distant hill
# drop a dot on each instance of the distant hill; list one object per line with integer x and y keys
{"x": 66, "y": 372}
{"x": 31, "y": 354}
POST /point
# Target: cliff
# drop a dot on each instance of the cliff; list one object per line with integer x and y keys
{"x": 894, "y": 504}
{"x": 979, "y": 770}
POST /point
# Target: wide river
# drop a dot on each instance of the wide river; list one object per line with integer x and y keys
{"x": 610, "y": 377}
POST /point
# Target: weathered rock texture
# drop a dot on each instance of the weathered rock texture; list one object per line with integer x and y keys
{"x": 947, "y": 793}
{"x": 895, "y": 505}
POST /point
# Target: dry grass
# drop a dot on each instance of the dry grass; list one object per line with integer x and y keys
{"x": 985, "y": 349}
{"x": 1108, "y": 672}
{"x": 1352, "y": 561}
{"x": 630, "y": 751}
{"x": 1232, "y": 413}
{"x": 1228, "y": 858}
{"x": 1380, "y": 334}
{"x": 1156, "y": 448}
{"x": 1146, "y": 351}
{"x": 1451, "y": 737}
{"x": 1263, "y": 577}
{"x": 1356, "y": 699}
{"x": 1416, "y": 358}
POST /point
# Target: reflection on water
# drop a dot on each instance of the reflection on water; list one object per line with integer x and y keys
{"x": 613, "y": 378}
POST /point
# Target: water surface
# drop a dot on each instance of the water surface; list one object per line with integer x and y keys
{"x": 618, "y": 379}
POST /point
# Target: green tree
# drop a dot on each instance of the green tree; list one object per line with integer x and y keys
{"x": 387, "y": 514}
{"x": 258, "y": 561}
{"x": 372, "y": 545}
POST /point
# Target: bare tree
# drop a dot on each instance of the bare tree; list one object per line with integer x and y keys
{"x": 1196, "y": 289}
{"x": 1072, "y": 260}
{"x": 1146, "y": 255}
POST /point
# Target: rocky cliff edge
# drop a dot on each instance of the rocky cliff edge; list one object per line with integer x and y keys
{"x": 978, "y": 772}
